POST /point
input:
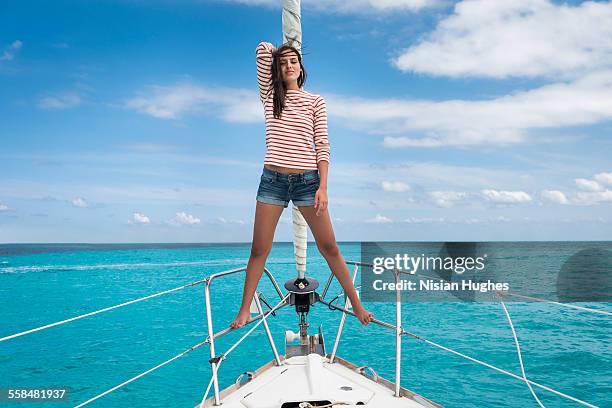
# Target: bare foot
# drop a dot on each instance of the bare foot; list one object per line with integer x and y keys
{"x": 363, "y": 315}
{"x": 241, "y": 319}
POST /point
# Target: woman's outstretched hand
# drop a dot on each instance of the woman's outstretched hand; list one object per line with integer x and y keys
{"x": 241, "y": 319}
{"x": 363, "y": 315}
{"x": 320, "y": 201}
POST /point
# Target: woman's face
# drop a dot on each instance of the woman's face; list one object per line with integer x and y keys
{"x": 290, "y": 66}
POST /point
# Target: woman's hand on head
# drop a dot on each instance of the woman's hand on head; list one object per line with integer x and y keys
{"x": 321, "y": 201}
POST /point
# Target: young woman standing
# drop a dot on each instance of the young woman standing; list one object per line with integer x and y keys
{"x": 295, "y": 169}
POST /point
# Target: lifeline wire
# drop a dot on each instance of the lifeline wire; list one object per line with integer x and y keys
{"x": 544, "y": 387}
{"x": 518, "y": 351}
{"x": 141, "y": 374}
{"x": 106, "y": 309}
{"x": 475, "y": 360}
{"x": 584, "y": 309}
{"x": 162, "y": 364}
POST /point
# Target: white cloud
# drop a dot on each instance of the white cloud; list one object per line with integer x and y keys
{"x": 79, "y": 202}
{"x": 504, "y": 120}
{"x": 9, "y": 51}
{"x": 395, "y": 186}
{"x": 604, "y": 178}
{"x": 4, "y": 207}
{"x": 62, "y": 101}
{"x": 424, "y": 220}
{"x": 433, "y": 176}
{"x": 226, "y": 221}
{"x": 506, "y": 197}
{"x": 447, "y": 198}
{"x": 593, "y": 192}
{"x": 366, "y": 6}
{"x": 462, "y": 137}
{"x": 592, "y": 198}
{"x": 500, "y": 39}
{"x": 588, "y": 185}
{"x": 351, "y": 6}
{"x": 554, "y": 196}
{"x": 182, "y": 218}
{"x": 140, "y": 218}
{"x": 173, "y": 102}
{"x": 529, "y": 38}
{"x": 379, "y": 219}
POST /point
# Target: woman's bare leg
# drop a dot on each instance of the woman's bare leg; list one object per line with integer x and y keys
{"x": 323, "y": 232}
{"x": 266, "y": 219}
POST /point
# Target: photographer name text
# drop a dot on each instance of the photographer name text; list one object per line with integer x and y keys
{"x": 441, "y": 285}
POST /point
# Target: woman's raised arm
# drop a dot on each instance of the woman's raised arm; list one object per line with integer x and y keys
{"x": 264, "y": 69}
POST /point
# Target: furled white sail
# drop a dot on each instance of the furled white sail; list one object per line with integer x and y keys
{"x": 300, "y": 234}
{"x": 292, "y": 23}
{"x": 292, "y": 34}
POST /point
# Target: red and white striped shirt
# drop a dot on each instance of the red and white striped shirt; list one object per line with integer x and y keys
{"x": 298, "y": 139}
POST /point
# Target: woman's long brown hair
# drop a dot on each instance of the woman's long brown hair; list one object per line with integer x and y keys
{"x": 280, "y": 90}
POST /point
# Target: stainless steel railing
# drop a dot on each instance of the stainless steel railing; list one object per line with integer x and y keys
{"x": 397, "y": 328}
{"x": 214, "y": 359}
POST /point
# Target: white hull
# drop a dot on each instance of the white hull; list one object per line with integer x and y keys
{"x": 313, "y": 378}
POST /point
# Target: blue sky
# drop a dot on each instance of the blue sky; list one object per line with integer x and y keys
{"x": 133, "y": 121}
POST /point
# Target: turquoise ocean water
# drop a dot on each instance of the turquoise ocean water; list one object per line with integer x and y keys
{"x": 562, "y": 348}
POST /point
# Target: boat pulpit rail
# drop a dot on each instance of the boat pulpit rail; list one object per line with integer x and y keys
{"x": 215, "y": 360}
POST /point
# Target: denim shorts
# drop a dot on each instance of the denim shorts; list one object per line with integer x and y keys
{"x": 279, "y": 188}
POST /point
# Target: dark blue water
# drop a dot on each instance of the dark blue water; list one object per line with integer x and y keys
{"x": 562, "y": 348}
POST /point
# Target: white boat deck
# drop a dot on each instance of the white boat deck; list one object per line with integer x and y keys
{"x": 313, "y": 378}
